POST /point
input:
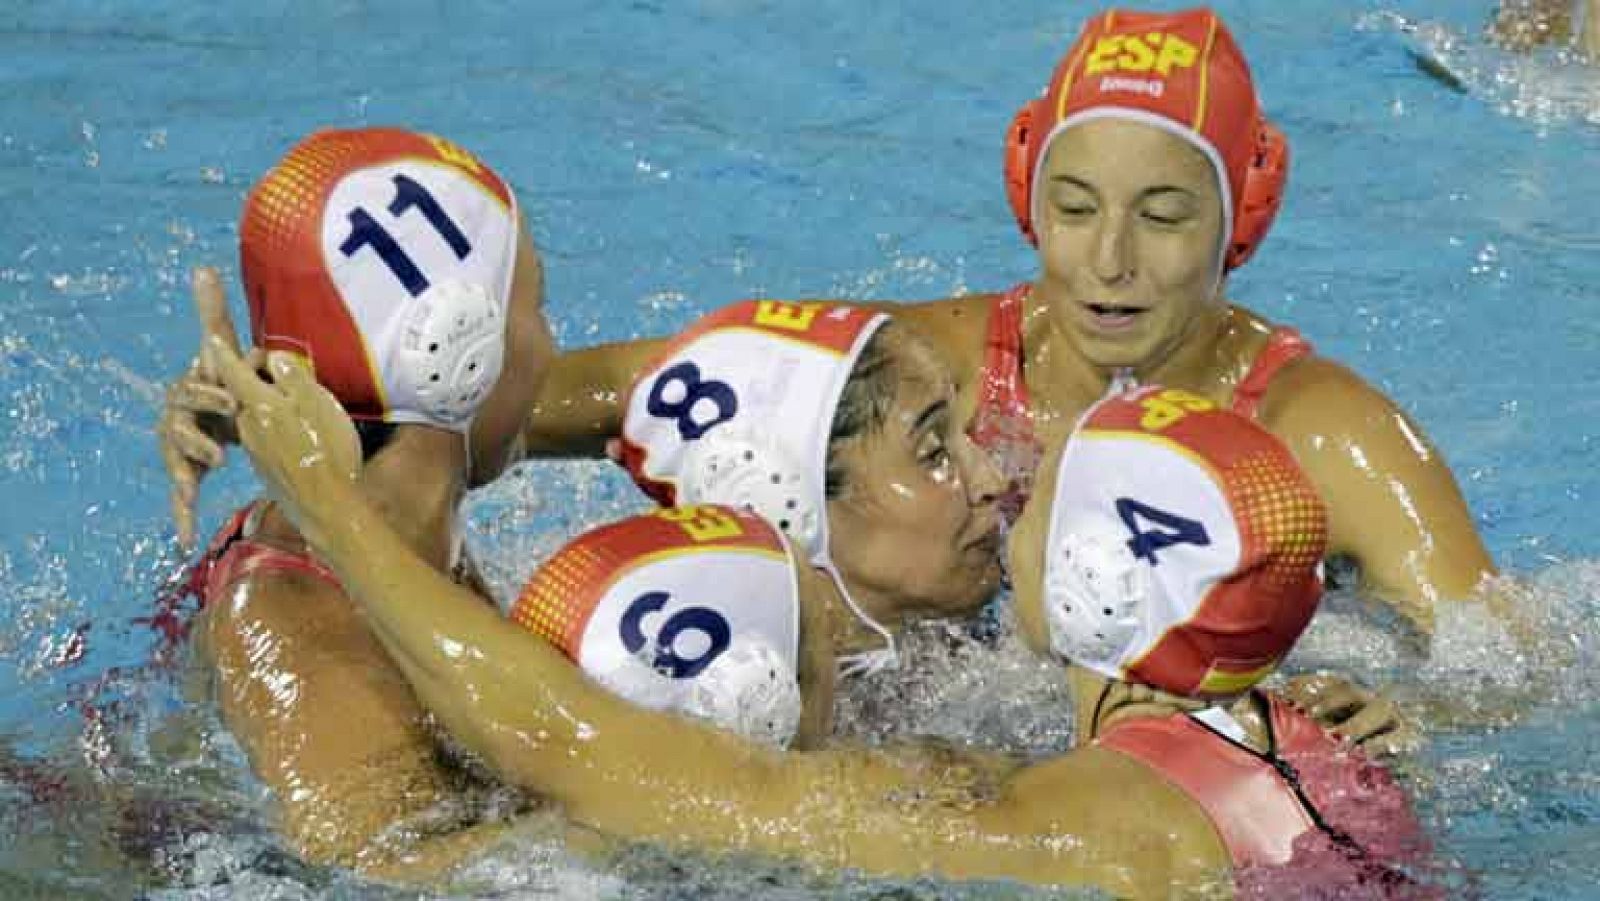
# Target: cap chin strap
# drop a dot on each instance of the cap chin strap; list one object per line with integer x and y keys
{"x": 862, "y": 663}
{"x": 1122, "y": 381}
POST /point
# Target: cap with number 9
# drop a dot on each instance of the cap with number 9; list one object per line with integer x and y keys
{"x": 385, "y": 257}
{"x": 694, "y": 610}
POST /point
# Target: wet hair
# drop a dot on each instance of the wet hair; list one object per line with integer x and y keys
{"x": 375, "y": 434}
{"x": 863, "y": 404}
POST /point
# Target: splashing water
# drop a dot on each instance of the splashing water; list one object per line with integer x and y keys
{"x": 1548, "y": 87}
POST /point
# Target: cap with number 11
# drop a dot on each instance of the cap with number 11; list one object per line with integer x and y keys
{"x": 384, "y": 257}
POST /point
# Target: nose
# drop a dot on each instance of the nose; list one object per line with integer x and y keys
{"x": 983, "y": 480}
{"x": 1113, "y": 250}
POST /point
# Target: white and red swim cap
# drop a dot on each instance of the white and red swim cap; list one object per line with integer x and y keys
{"x": 385, "y": 257}
{"x": 738, "y": 410}
{"x": 692, "y": 610}
{"x": 1180, "y": 72}
{"x": 1185, "y": 546}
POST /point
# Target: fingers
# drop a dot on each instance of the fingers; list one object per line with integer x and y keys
{"x": 1377, "y": 718}
{"x": 195, "y": 446}
{"x": 1383, "y": 733}
{"x": 211, "y": 304}
{"x": 184, "y": 483}
{"x": 290, "y": 372}
{"x": 242, "y": 382}
{"x": 1336, "y": 705}
{"x": 196, "y": 396}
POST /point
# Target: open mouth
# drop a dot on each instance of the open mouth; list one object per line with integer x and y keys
{"x": 1113, "y": 316}
{"x": 988, "y": 540}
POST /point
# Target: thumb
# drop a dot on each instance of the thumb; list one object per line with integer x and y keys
{"x": 289, "y": 371}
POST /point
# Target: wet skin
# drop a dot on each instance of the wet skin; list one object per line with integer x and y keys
{"x": 1127, "y": 278}
{"x": 327, "y": 720}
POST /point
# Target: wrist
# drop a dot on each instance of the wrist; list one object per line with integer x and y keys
{"x": 327, "y": 508}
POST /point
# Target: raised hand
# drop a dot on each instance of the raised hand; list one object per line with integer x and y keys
{"x": 297, "y": 435}
{"x": 197, "y": 420}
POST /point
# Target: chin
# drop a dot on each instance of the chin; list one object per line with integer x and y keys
{"x": 977, "y": 589}
{"x": 1136, "y": 351}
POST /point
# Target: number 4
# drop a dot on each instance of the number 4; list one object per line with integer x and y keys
{"x": 1154, "y": 529}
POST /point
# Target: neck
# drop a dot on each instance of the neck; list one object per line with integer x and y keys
{"x": 415, "y": 482}
{"x": 845, "y": 629}
{"x": 1064, "y": 381}
{"x": 1196, "y": 355}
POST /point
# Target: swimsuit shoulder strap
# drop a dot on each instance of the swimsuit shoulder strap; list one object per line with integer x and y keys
{"x": 1284, "y": 346}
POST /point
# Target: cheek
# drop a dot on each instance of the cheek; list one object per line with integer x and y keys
{"x": 1062, "y": 251}
{"x": 1030, "y": 624}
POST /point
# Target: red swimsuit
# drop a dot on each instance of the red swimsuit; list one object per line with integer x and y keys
{"x": 1003, "y": 422}
{"x": 233, "y": 556}
{"x": 1314, "y": 812}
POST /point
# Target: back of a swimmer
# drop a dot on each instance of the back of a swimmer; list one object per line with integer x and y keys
{"x": 329, "y": 723}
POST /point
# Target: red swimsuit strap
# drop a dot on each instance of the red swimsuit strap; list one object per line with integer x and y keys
{"x": 1284, "y": 346}
{"x": 233, "y": 556}
{"x": 1003, "y": 390}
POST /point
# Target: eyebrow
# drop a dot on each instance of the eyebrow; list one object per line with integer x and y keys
{"x": 1147, "y": 192}
{"x": 926, "y": 417}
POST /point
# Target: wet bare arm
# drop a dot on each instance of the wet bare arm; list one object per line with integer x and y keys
{"x": 197, "y": 416}
{"x": 1589, "y": 36}
{"x": 1393, "y": 505}
{"x": 512, "y": 698}
{"x": 584, "y": 397}
{"x": 585, "y": 394}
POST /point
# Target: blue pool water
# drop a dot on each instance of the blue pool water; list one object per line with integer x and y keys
{"x": 671, "y": 157}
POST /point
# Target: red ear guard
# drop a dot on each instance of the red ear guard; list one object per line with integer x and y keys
{"x": 1019, "y": 171}
{"x": 1261, "y": 195}
{"x": 1259, "y": 198}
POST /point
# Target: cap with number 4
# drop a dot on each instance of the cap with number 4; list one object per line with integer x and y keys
{"x": 1185, "y": 546}
{"x": 385, "y": 257}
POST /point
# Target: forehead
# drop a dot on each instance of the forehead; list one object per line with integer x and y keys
{"x": 1098, "y": 153}
{"x": 922, "y": 376}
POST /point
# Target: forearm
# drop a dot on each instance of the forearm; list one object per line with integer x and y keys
{"x": 584, "y": 398}
{"x": 511, "y": 698}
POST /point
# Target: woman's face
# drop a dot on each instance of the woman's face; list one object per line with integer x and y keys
{"x": 917, "y": 520}
{"x": 1130, "y": 224}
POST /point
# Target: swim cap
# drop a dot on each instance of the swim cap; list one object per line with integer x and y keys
{"x": 693, "y": 610}
{"x": 385, "y": 257}
{"x": 738, "y": 409}
{"x": 1185, "y": 546}
{"x": 1180, "y": 72}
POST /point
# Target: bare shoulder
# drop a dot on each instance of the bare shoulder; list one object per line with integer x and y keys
{"x": 1140, "y": 820}
{"x": 957, "y": 325}
{"x": 1316, "y": 394}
